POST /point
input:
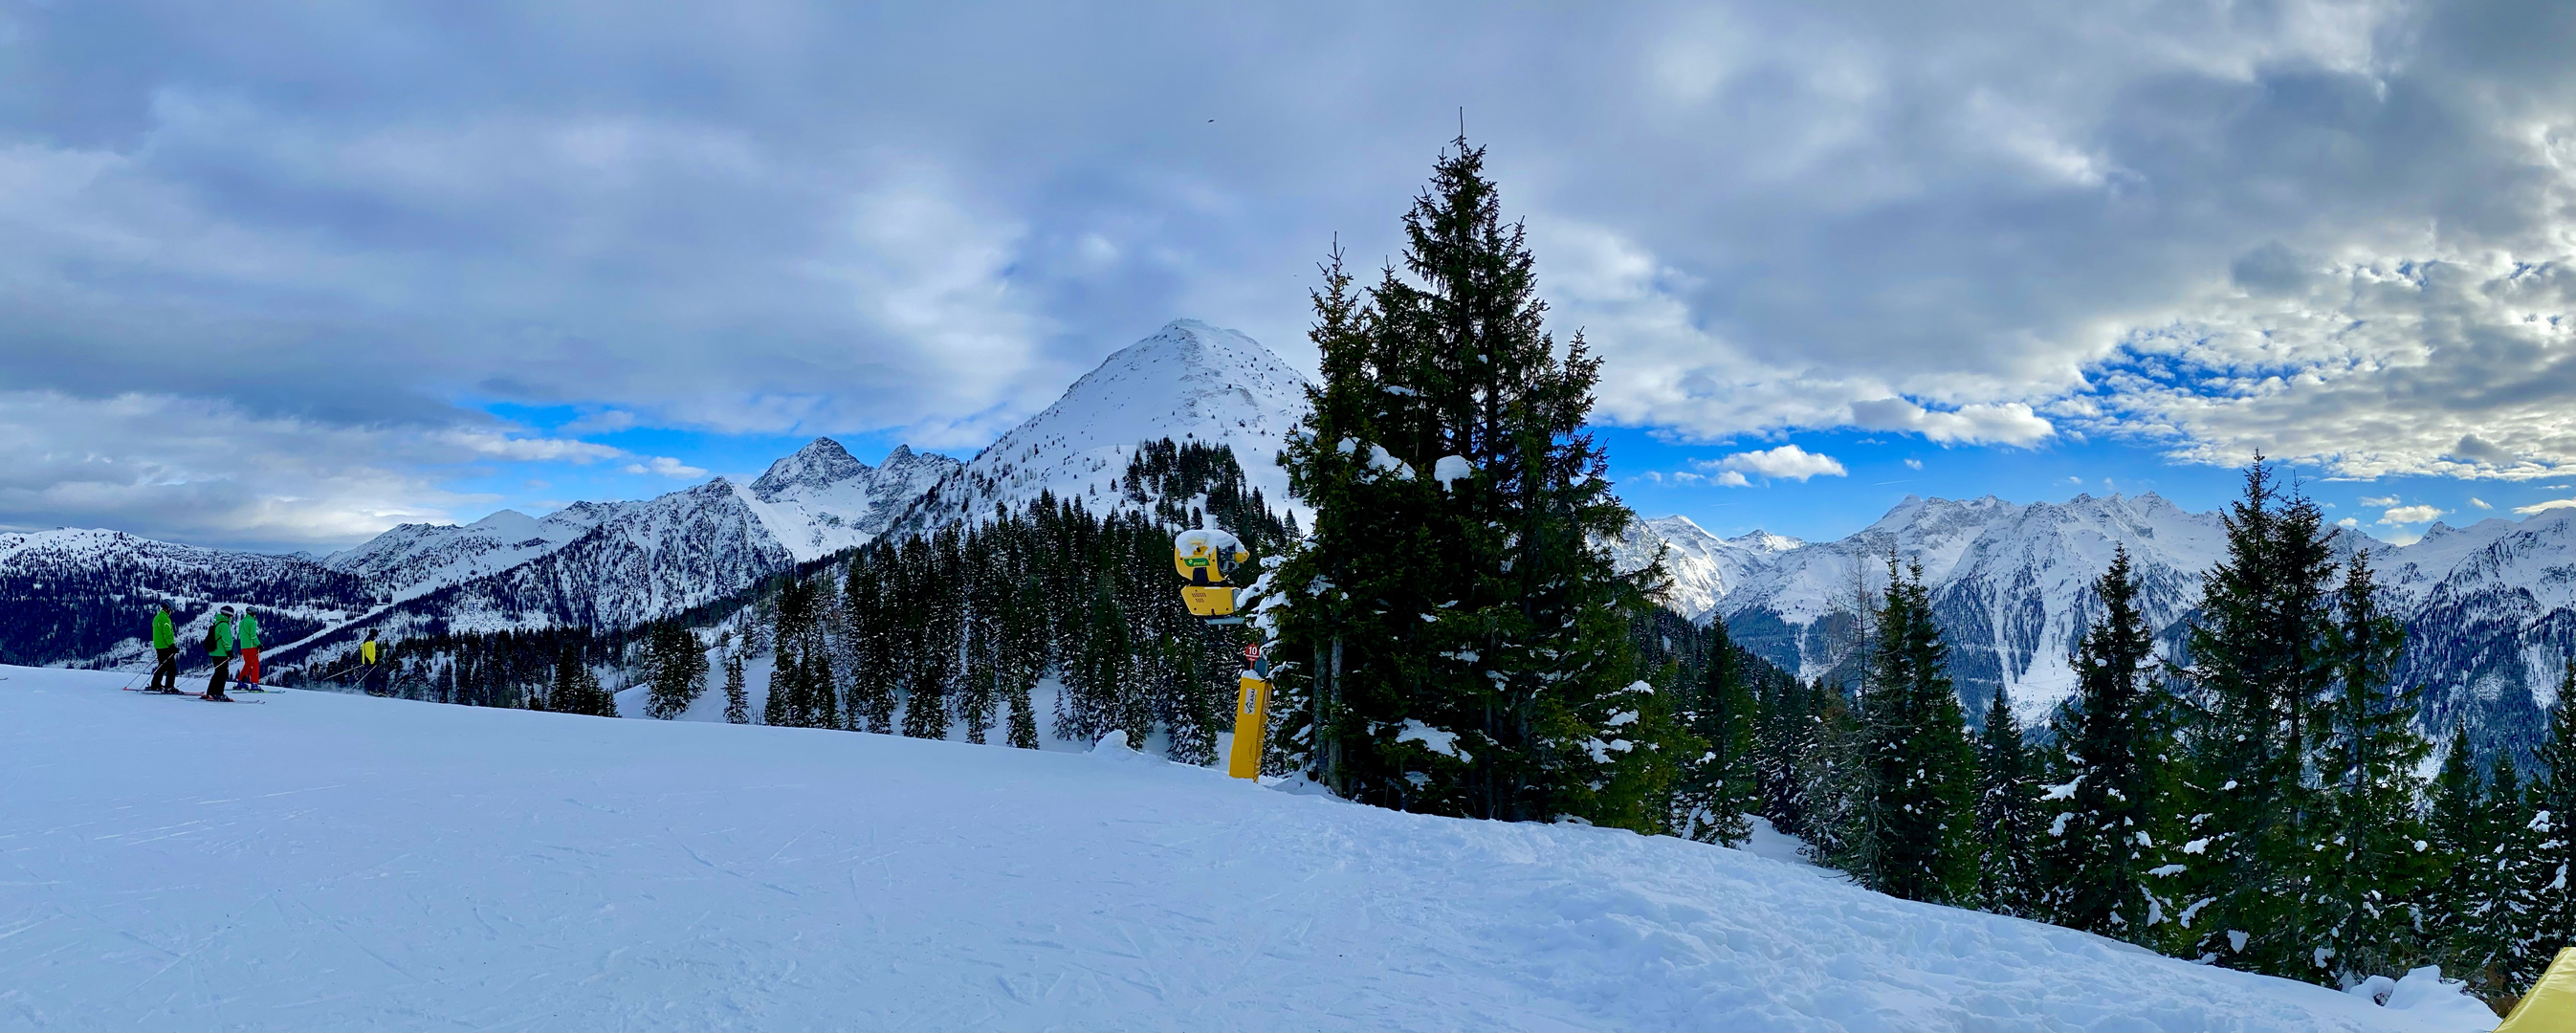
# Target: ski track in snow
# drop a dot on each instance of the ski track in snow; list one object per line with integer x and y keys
{"x": 337, "y": 861}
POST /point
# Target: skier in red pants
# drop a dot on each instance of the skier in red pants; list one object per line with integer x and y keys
{"x": 246, "y": 635}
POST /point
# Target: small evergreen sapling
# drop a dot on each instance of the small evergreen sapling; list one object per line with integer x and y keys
{"x": 2007, "y": 802}
{"x": 1721, "y": 786}
{"x": 737, "y": 701}
{"x": 675, "y": 668}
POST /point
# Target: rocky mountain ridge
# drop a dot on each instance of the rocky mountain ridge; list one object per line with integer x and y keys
{"x": 1187, "y": 382}
{"x": 617, "y": 564}
{"x": 2490, "y": 609}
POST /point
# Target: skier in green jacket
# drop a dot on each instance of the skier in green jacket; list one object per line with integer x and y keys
{"x": 165, "y": 648}
{"x": 246, "y": 633}
{"x": 219, "y": 650}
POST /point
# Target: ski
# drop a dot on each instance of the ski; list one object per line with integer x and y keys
{"x": 202, "y": 699}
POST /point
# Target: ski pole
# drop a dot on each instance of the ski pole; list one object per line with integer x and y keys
{"x": 156, "y": 669}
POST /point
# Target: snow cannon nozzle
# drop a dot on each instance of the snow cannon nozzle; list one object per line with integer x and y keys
{"x": 1206, "y": 558}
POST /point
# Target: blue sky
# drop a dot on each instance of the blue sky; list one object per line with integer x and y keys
{"x": 281, "y": 276}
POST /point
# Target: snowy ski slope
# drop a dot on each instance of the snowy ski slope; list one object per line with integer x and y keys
{"x": 339, "y": 862}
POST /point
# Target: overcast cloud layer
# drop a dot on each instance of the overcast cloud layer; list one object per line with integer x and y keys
{"x": 2339, "y": 232}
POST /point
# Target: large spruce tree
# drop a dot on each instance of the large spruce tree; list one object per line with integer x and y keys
{"x": 2371, "y": 865}
{"x": 2261, "y": 660}
{"x": 1467, "y": 637}
{"x": 2549, "y": 921}
{"x": 1914, "y": 835}
{"x": 2460, "y": 834}
{"x": 2107, "y": 816}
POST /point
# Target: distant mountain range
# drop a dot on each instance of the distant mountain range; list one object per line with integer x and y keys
{"x": 85, "y": 595}
{"x": 2490, "y": 609}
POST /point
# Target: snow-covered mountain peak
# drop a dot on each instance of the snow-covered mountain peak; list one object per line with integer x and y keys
{"x": 820, "y": 464}
{"x": 822, "y": 500}
{"x": 507, "y": 521}
{"x": 1188, "y": 381}
{"x": 1700, "y": 568}
{"x": 2011, "y": 583}
{"x": 414, "y": 559}
{"x": 1679, "y": 525}
{"x": 1764, "y": 541}
{"x": 584, "y": 514}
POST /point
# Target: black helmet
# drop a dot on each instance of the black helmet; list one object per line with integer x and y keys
{"x": 225, "y": 610}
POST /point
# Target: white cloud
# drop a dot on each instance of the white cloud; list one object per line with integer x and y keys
{"x": 205, "y": 472}
{"x": 1913, "y": 464}
{"x": 1732, "y": 479}
{"x": 2479, "y": 502}
{"x": 2378, "y": 500}
{"x": 2543, "y": 507}
{"x": 497, "y": 445}
{"x": 2411, "y": 515}
{"x": 2348, "y": 522}
{"x": 665, "y": 466}
{"x": 2012, "y": 225}
{"x": 2452, "y": 364}
{"x": 2009, "y": 423}
{"x": 1785, "y": 463}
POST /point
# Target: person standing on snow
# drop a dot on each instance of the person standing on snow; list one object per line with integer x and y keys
{"x": 367, "y": 662}
{"x": 246, "y": 634}
{"x": 219, "y": 651}
{"x": 165, "y": 647}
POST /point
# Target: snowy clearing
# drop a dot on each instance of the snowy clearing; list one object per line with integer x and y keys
{"x": 332, "y": 861}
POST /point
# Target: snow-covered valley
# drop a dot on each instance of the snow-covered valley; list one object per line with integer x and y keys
{"x": 336, "y": 861}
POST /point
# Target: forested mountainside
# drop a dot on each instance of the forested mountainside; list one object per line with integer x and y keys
{"x": 2489, "y": 610}
{"x": 86, "y": 595}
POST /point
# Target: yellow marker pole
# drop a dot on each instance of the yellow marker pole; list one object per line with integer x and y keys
{"x": 2551, "y": 1001}
{"x": 1251, "y": 718}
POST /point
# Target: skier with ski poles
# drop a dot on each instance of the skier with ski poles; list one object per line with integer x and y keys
{"x": 367, "y": 663}
{"x": 165, "y": 647}
{"x": 246, "y": 633}
{"x": 219, "y": 651}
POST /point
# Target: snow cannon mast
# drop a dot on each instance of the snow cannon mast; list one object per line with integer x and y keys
{"x": 1206, "y": 559}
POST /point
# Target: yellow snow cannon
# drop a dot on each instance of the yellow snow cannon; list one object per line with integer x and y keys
{"x": 1206, "y": 558}
{"x": 2551, "y": 1002}
{"x": 1251, "y": 716}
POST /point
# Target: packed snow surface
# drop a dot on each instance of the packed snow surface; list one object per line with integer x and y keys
{"x": 343, "y": 862}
